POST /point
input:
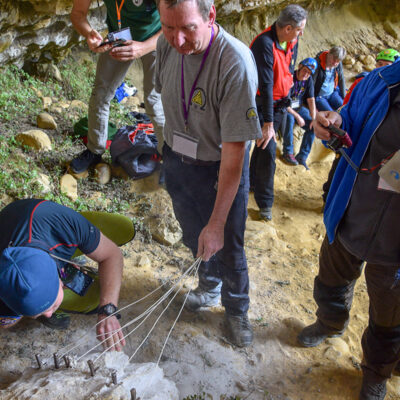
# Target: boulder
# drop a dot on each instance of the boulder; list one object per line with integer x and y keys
{"x": 358, "y": 67}
{"x": 44, "y": 181}
{"x": 46, "y": 121}
{"x": 164, "y": 230}
{"x": 102, "y": 173}
{"x": 69, "y": 186}
{"x": 78, "y": 105}
{"x": 368, "y": 60}
{"x": 142, "y": 261}
{"x": 35, "y": 139}
{"x": 46, "y": 102}
{"x": 349, "y": 60}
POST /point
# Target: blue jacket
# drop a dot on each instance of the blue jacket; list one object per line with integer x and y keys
{"x": 366, "y": 109}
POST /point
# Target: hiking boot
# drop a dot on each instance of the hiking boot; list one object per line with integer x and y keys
{"x": 240, "y": 330}
{"x": 302, "y": 162}
{"x": 84, "y": 161}
{"x": 200, "y": 298}
{"x": 266, "y": 213}
{"x": 289, "y": 159}
{"x": 373, "y": 387}
{"x": 315, "y": 334}
{"x": 58, "y": 320}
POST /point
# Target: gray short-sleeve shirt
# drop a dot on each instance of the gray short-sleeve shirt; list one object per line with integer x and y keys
{"x": 223, "y": 105}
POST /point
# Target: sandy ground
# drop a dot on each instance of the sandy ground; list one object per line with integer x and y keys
{"x": 283, "y": 261}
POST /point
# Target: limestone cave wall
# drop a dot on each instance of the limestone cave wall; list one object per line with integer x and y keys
{"x": 40, "y": 30}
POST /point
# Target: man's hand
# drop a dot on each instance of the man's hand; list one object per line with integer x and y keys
{"x": 268, "y": 133}
{"x": 323, "y": 120}
{"x": 107, "y": 330}
{"x": 211, "y": 240}
{"x": 93, "y": 40}
{"x": 130, "y": 50}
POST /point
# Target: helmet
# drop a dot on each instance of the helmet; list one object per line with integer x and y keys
{"x": 388, "y": 55}
{"x": 310, "y": 63}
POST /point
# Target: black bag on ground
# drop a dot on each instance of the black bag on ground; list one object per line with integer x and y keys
{"x": 134, "y": 148}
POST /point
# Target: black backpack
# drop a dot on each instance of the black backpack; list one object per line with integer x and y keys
{"x": 134, "y": 148}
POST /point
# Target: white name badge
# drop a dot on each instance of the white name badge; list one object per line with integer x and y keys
{"x": 390, "y": 173}
{"x": 185, "y": 145}
{"x": 122, "y": 34}
{"x": 296, "y": 103}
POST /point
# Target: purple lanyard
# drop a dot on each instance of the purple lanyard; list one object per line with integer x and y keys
{"x": 186, "y": 109}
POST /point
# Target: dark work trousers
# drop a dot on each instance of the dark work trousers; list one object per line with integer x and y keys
{"x": 333, "y": 292}
{"x": 263, "y": 165}
{"x": 193, "y": 191}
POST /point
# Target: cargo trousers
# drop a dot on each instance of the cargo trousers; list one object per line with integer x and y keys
{"x": 333, "y": 293}
{"x": 110, "y": 73}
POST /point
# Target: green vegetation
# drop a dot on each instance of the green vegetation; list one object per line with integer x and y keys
{"x": 21, "y": 169}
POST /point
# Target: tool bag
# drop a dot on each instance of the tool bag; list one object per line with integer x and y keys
{"x": 134, "y": 148}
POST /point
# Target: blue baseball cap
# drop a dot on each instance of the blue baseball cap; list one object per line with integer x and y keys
{"x": 29, "y": 281}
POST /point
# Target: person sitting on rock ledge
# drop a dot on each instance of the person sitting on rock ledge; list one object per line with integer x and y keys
{"x": 38, "y": 239}
{"x": 301, "y": 92}
{"x": 329, "y": 83}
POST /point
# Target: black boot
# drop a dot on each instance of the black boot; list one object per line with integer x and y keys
{"x": 373, "y": 386}
{"x": 239, "y": 329}
{"x": 84, "y": 161}
{"x": 315, "y": 334}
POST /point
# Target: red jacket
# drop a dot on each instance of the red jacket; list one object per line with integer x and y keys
{"x": 275, "y": 67}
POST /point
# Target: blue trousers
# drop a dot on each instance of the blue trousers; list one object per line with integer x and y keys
{"x": 329, "y": 103}
{"x": 308, "y": 136}
{"x": 263, "y": 165}
{"x": 193, "y": 191}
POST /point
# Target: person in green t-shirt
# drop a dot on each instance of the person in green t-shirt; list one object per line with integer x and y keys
{"x": 143, "y": 21}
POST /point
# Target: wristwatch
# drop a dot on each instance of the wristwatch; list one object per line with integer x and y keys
{"x": 108, "y": 310}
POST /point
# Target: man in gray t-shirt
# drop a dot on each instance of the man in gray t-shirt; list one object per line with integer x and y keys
{"x": 208, "y": 82}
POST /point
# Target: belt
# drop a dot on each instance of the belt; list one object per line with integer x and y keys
{"x": 191, "y": 161}
{"x": 282, "y": 103}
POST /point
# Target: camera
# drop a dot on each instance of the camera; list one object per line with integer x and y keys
{"x": 339, "y": 138}
{"x": 113, "y": 42}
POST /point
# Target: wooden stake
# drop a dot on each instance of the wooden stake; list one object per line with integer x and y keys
{"x": 38, "y": 360}
{"x": 91, "y": 366}
{"x": 56, "y": 362}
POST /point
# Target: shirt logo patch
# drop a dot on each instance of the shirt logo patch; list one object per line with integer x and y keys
{"x": 251, "y": 113}
{"x": 137, "y": 3}
{"x": 199, "y": 99}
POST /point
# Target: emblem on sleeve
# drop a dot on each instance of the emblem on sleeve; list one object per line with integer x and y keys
{"x": 137, "y": 3}
{"x": 251, "y": 113}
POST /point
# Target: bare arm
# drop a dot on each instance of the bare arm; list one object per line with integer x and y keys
{"x": 296, "y": 115}
{"x": 312, "y": 107}
{"x": 80, "y": 22}
{"x": 211, "y": 238}
{"x": 110, "y": 260}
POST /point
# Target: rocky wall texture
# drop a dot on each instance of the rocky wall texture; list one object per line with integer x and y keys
{"x": 40, "y": 30}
